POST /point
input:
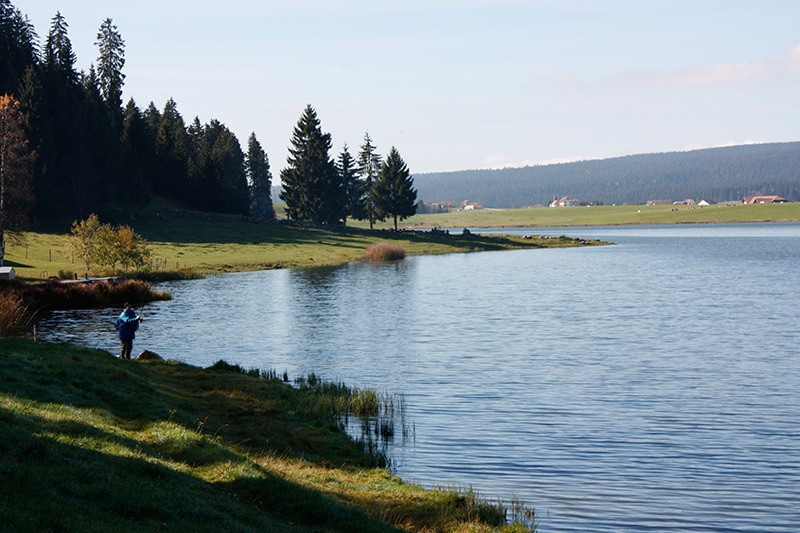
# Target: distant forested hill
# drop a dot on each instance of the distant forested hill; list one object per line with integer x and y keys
{"x": 715, "y": 174}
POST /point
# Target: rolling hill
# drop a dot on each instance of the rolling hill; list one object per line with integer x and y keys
{"x": 713, "y": 174}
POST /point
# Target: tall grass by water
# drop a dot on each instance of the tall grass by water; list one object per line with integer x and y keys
{"x": 14, "y": 313}
{"x": 384, "y": 252}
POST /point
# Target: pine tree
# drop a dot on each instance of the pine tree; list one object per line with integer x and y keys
{"x": 16, "y": 191}
{"x": 369, "y": 164}
{"x": 18, "y": 48}
{"x": 312, "y": 189}
{"x": 393, "y": 193}
{"x": 172, "y": 151}
{"x": 354, "y": 187}
{"x": 260, "y": 178}
{"x": 109, "y": 69}
{"x": 59, "y": 58}
{"x": 133, "y": 189}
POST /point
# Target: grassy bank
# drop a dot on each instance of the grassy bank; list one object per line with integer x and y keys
{"x": 92, "y": 443}
{"x": 610, "y": 215}
{"x": 204, "y": 243}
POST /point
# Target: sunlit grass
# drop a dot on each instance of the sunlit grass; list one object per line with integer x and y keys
{"x": 86, "y": 438}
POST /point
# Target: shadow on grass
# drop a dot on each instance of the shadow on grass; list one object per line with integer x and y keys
{"x": 86, "y": 438}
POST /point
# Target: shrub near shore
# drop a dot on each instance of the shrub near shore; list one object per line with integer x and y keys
{"x": 19, "y": 302}
{"x": 88, "y": 440}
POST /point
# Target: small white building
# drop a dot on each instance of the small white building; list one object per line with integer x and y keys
{"x": 7, "y": 273}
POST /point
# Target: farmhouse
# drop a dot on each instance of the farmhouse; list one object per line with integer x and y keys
{"x": 763, "y": 200}
{"x": 564, "y": 201}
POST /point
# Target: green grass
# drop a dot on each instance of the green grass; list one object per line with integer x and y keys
{"x": 89, "y": 442}
{"x": 609, "y": 215}
{"x": 204, "y": 243}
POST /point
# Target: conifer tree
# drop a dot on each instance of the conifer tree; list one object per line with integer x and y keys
{"x": 312, "y": 189}
{"x": 18, "y": 48}
{"x": 393, "y": 193}
{"x": 260, "y": 179}
{"x": 109, "y": 69}
{"x": 133, "y": 189}
{"x": 59, "y": 58}
{"x": 369, "y": 164}
{"x": 354, "y": 187}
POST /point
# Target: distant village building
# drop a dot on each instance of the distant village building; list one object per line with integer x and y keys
{"x": 688, "y": 201}
{"x": 659, "y": 202}
{"x": 564, "y": 201}
{"x": 763, "y": 200}
{"x": 467, "y": 205}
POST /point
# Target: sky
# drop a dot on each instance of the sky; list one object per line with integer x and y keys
{"x": 461, "y": 84}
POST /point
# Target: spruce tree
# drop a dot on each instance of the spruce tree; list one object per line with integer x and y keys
{"x": 59, "y": 58}
{"x": 18, "y": 48}
{"x": 260, "y": 179}
{"x": 354, "y": 187}
{"x": 369, "y": 163}
{"x": 109, "y": 69}
{"x": 312, "y": 188}
{"x": 393, "y": 193}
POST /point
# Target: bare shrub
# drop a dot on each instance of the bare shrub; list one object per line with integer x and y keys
{"x": 382, "y": 252}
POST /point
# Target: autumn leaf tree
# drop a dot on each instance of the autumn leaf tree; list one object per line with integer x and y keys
{"x": 16, "y": 190}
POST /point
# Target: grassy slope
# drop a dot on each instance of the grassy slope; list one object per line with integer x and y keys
{"x": 92, "y": 443}
{"x": 213, "y": 243}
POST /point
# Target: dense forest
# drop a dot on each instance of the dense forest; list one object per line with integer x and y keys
{"x": 89, "y": 152}
{"x": 715, "y": 174}
{"x": 78, "y": 150}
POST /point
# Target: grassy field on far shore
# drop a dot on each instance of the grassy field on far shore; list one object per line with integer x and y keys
{"x": 609, "y": 215}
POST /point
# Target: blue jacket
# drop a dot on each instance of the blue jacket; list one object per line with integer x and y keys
{"x": 127, "y": 324}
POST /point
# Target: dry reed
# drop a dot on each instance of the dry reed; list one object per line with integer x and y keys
{"x": 382, "y": 252}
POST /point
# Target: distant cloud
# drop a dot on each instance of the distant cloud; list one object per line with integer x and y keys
{"x": 746, "y": 72}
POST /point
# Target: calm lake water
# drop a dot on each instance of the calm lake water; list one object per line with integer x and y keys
{"x": 653, "y": 385}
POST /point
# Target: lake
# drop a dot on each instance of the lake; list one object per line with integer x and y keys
{"x": 653, "y": 385}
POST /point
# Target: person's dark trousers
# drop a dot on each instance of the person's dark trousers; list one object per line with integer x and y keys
{"x": 127, "y": 346}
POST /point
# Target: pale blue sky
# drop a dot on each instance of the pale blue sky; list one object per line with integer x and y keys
{"x": 463, "y": 84}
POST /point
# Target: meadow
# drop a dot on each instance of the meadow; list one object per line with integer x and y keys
{"x": 610, "y": 215}
{"x": 184, "y": 241}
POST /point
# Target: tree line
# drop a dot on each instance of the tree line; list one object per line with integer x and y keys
{"x": 77, "y": 149}
{"x": 714, "y": 174}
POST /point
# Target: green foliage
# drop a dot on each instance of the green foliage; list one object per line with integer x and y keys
{"x": 109, "y": 68}
{"x": 95, "y": 243}
{"x": 393, "y": 193}
{"x": 369, "y": 164}
{"x": 260, "y": 178}
{"x": 355, "y": 188}
{"x": 312, "y": 188}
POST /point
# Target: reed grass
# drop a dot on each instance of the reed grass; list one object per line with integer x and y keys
{"x": 79, "y": 295}
{"x": 15, "y": 314}
{"x": 384, "y": 252}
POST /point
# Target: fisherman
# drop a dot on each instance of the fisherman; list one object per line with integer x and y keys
{"x": 127, "y": 324}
